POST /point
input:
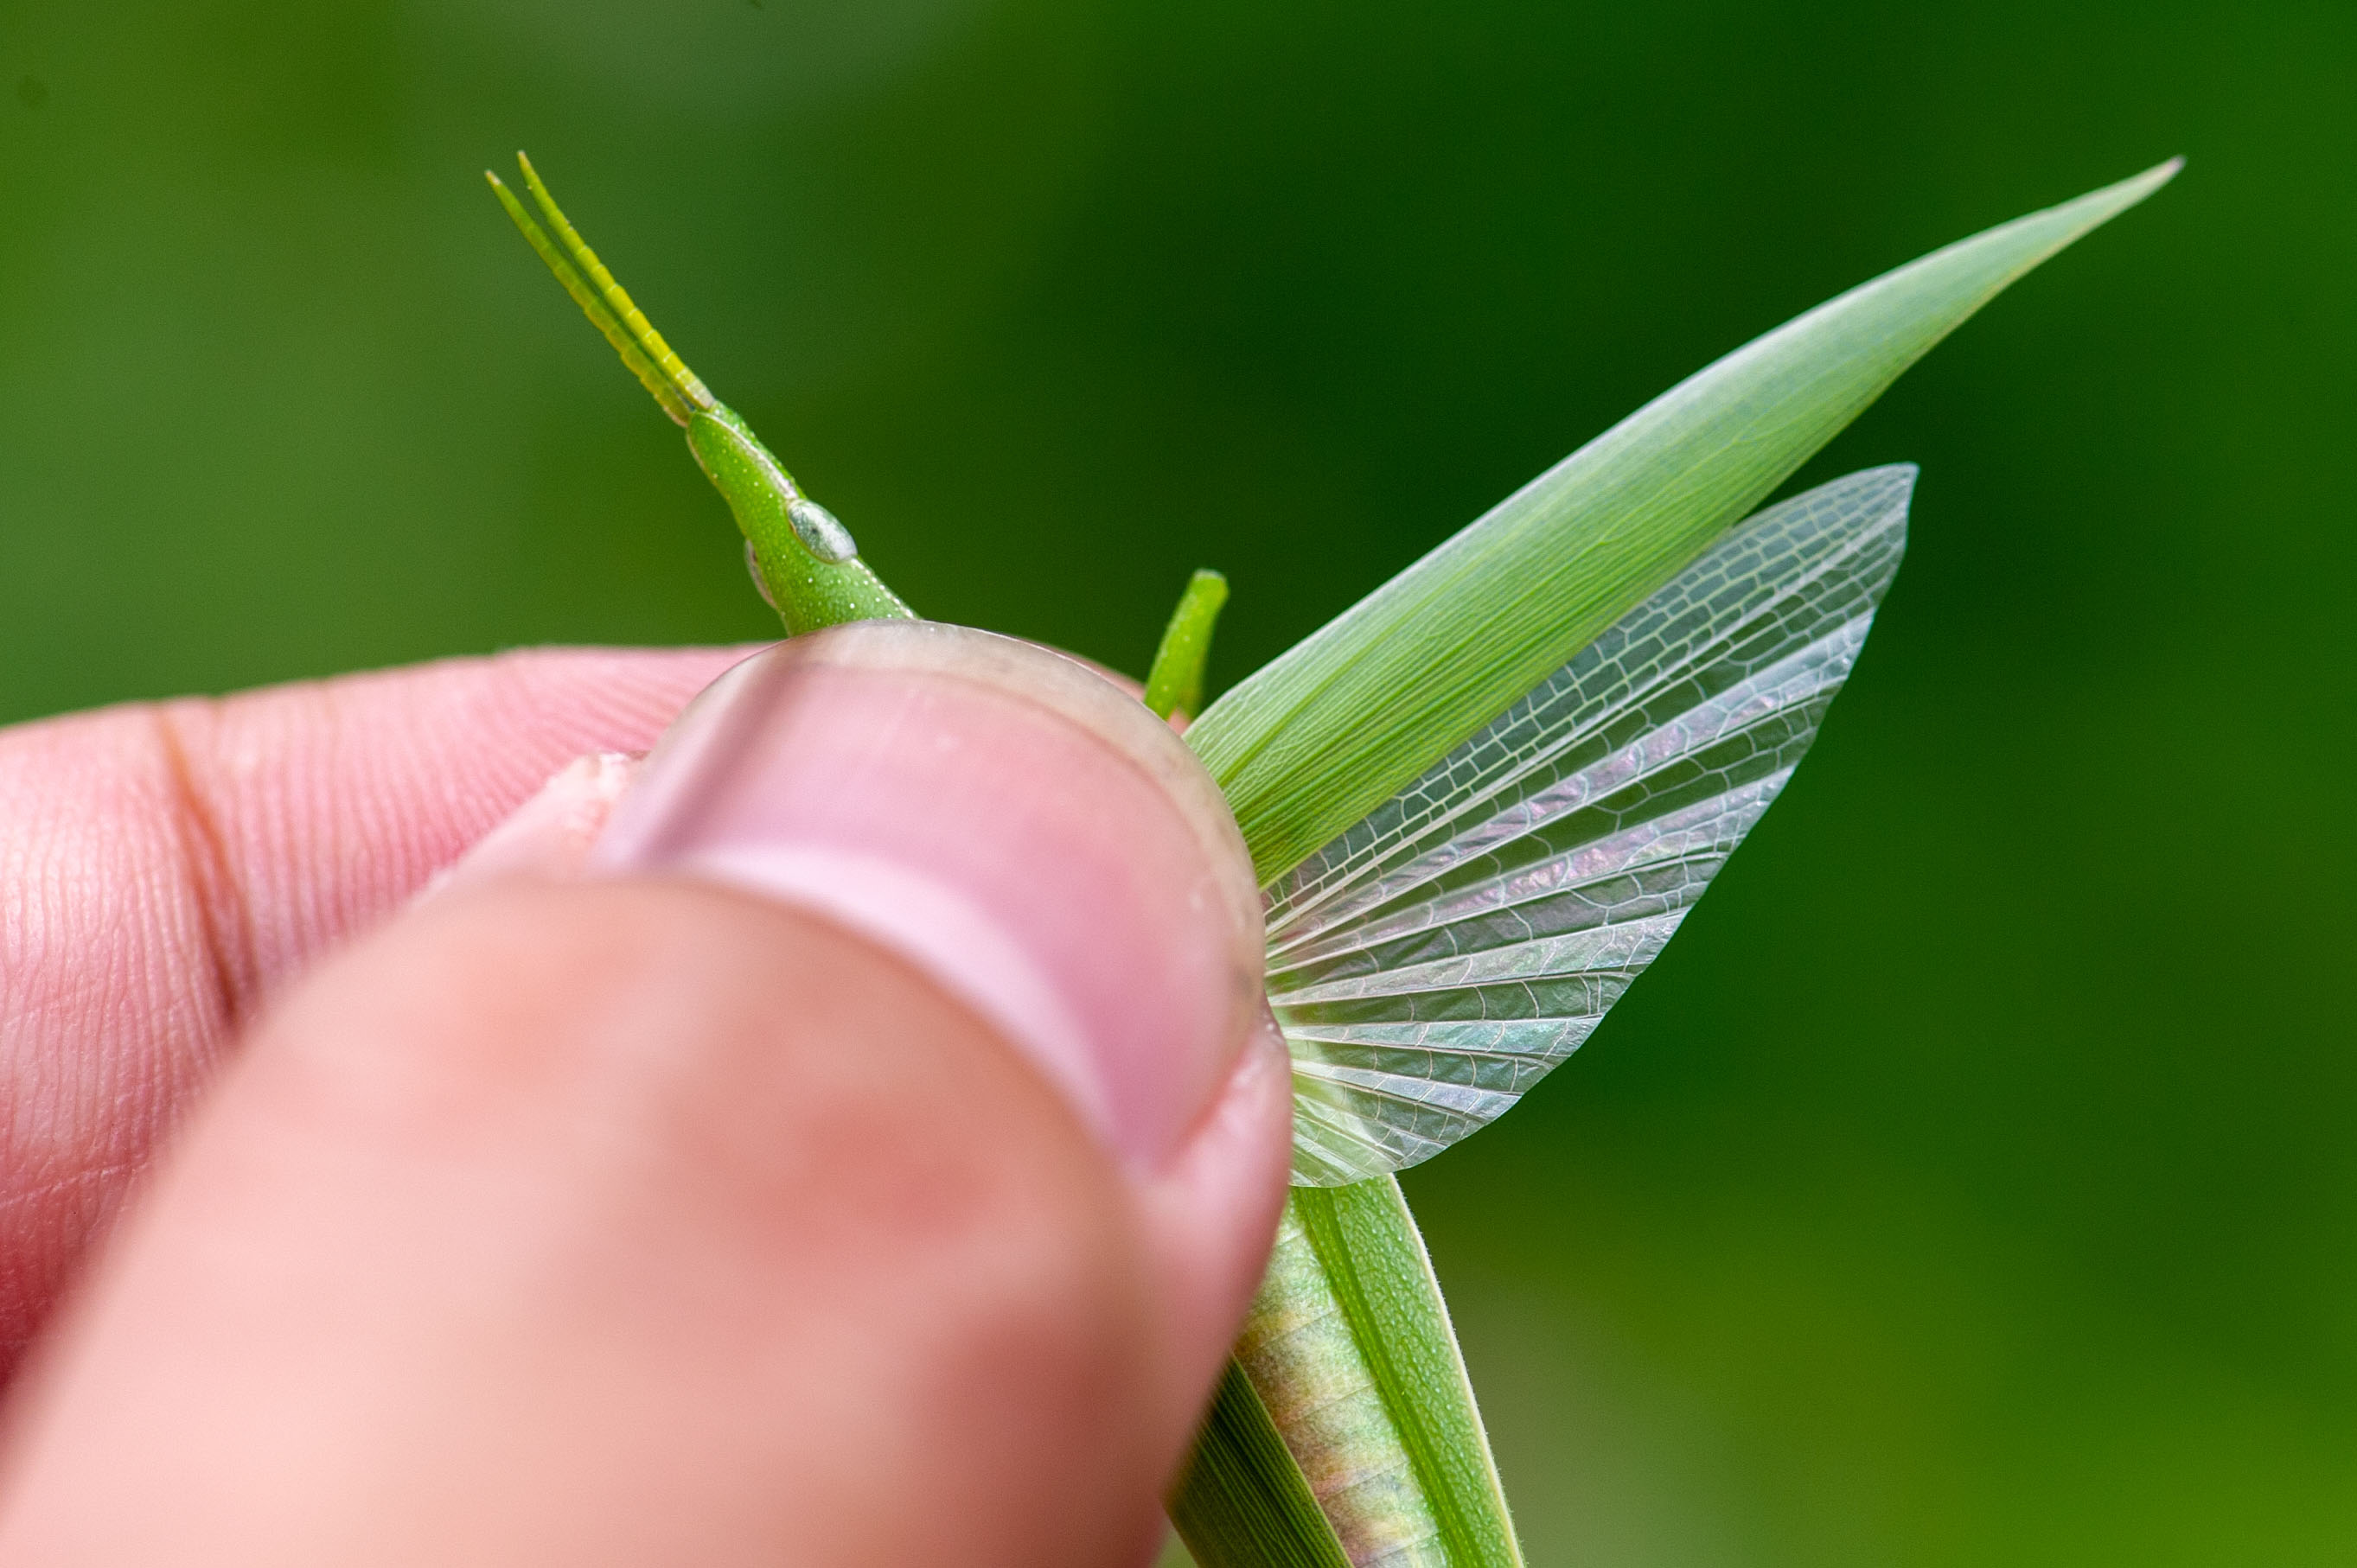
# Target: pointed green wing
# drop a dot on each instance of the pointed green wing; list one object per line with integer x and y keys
{"x": 1435, "y": 959}
{"x": 1333, "y": 728}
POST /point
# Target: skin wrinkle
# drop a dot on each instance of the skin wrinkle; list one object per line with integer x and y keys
{"x": 164, "y": 867}
{"x": 224, "y": 916}
{"x": 39, "y": 1191}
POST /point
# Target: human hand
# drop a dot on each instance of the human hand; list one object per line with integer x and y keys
{"x": 867, "y": 1159}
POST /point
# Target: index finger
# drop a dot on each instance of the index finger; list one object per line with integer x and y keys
{"x": 164, "y": 865}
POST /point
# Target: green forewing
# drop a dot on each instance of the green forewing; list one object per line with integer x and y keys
{"x": 1346, "y": 1390}
{"x": 1318, "y": 739}
{"x": 1375, "y": 1263}
{"x": 1241, "y": 1499}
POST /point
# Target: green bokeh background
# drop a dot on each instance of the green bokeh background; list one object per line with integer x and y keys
{"x": 1974, "y": 1181}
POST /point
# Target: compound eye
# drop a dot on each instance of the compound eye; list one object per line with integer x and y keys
{"x": 821, "y": 534}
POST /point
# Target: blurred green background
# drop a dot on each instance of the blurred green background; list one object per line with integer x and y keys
{"x": 1974, "y": 1181}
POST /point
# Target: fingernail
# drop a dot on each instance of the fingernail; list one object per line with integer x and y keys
{"x": 1021, "y": 830}
{"x": 549, "y": 835}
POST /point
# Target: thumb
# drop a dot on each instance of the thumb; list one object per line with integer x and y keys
{"x": 867, "y": 1162}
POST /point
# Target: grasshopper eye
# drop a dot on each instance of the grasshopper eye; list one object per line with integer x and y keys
{"x": 820, "y": 532}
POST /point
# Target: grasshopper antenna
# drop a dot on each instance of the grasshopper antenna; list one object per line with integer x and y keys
{"x": 604, "y": 301}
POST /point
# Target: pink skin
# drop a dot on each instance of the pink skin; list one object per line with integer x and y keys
{"x": 556, "y": 1219}
{"x": 166, "y": 868}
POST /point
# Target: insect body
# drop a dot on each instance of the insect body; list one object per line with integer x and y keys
{"x": 1479, "y": 803}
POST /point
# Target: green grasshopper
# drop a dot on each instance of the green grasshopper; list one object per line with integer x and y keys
{"x": 1479, "y": 802}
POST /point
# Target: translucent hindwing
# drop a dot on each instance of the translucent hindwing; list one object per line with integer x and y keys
{"x": 1434, "y": 961}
